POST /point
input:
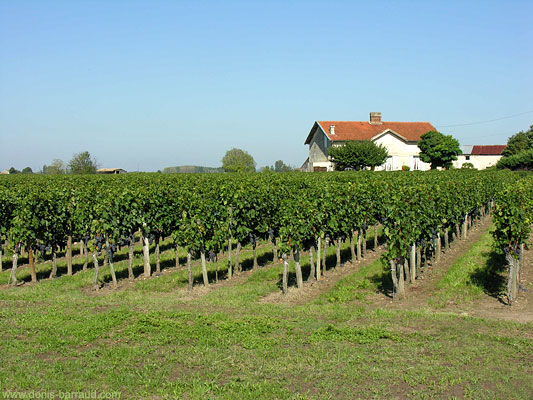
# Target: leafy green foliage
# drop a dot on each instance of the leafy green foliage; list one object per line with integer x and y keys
{"x": 280, "y": 166}
{"x": 358, "y": 155}
{"x": 521, "y": 160}
{"x": 513, "y": 215}
{"x": 522, "y": 141}
{"x": 202, "y": 211}
{"x": 82, "y": 163}
{"x": 237, "y": 160}
{"x": 57, "y": 167}
{"x": 439, "y": 150}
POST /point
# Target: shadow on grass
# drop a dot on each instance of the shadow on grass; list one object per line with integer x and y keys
{"x": 380, "y": 280}
{"x": 489, "y": 277}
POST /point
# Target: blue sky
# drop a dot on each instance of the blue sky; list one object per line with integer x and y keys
{"x": 150, "y": 84}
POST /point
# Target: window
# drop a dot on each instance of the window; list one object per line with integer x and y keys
{"x": 467, "y": 157}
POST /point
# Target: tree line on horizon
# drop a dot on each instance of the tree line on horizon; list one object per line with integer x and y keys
{"x": 437, "y": 149}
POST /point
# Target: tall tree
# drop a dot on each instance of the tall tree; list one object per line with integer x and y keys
{"x": 519, "y": 142}
{"x": 27, "y": 170}
{"x": 82, "y": 163}
{"x": 280, "y": 166}
{"x": 237, "y": 160}
{"x": 358, "y": 155}
{"x": 57, "y": 167}
{"x": 439, "y": 150}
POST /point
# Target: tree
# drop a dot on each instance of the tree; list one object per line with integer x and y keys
{"x": 27, "y": 170}
{"x": 237, "y": 160}
{"x": 280, "y": 166}
{"x": 12, "y": 170}
{"x": 56, "y": 168}
{"x": 521, "y": 160}
{"x": 358, "y": 155}
{"x": 82, "y": 163}
{"x": 439, "y": 150}
{"x": 520, "y": 142}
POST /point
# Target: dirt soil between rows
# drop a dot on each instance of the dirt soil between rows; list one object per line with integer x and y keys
{"x": 419, "y": 293}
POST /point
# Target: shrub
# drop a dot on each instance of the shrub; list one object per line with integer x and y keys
{"x": 522, "y": 160}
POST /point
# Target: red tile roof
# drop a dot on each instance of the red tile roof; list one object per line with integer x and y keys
{"x": 490, "y": 150}
{"x": 364, "y": 130}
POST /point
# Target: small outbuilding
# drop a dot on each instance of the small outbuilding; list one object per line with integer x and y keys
{"x": 111, "y": 171}
{"x": 480, "y": 157}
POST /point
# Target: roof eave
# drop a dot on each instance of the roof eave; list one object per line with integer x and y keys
{"x": 311, "y": 133}
{"x": 387, "y": 131}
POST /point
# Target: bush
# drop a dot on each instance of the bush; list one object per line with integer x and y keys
{"x": 405, "y": 168}
{"x": 467, "y": 165}
{"x": 522, "y": 160}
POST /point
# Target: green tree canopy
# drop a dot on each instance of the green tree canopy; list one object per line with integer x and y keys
{"x": 280, "y": 166}
{"x": 521, "y": 160}
{"x": 27, "y": 170}
{"x": 237, "y": 160}
{"x": 56, "y": 168}
{"x": 439, "y": 150}
{"x": 520, "y": 142}
{"x": 82, "y": 163}
{"x": 358, "y": 155}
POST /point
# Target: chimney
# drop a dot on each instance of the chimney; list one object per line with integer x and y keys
{"x": 332, "y": 129}
{"x": 375, "y": 118}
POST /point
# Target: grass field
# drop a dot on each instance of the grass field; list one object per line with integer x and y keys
{"x": 154, "y": 339}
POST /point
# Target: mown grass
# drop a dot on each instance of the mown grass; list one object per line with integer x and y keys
{"x": 155, "y": 340}
{"x": 477, "y": 272}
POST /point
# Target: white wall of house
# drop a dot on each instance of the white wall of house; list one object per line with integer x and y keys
{"x": 479, "y": 161}
{"x": 401, "y": 153}
{"x": 318, "y": 152}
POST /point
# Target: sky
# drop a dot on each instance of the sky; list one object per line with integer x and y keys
{"x": 144, "y": 85}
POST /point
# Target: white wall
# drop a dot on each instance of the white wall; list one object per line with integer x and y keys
{"x": 479, "y": 161}
{"x": 401, "y": 152}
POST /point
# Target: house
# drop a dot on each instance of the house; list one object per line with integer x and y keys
{"x": 400, "y": 139}
{"x": 110, "y": 171}
{"x": 480, "y": 157}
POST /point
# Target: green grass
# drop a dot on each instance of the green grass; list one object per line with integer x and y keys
{"x": 475, "y": 273}
{"x": 154, "y": 340}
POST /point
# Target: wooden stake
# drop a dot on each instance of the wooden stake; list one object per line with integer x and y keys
{"x": 204, "y": 267}
{"x": 32, "y": 264}
{"x": 69, "y": 255}
{"x": 319, "y": 249}
{"x": 14, "y": 270}
{"x": 189, "y": 268}
{"x": 130, "y": 262}
{"x": 297, "y": 267}
{"x": 146, "y": 257}
{"x": 285, "y": 274}
{"x": 311, "y": 263}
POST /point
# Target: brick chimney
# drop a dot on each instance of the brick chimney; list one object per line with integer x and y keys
{"x": 375, "y": 118}
{"x": 332, "y": 129}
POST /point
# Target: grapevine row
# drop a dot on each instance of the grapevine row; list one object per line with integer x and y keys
{"x": 213, "y": 213}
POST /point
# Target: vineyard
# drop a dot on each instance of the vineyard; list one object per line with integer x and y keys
{"x": 266, "y": 286}
{"x": 208, "y": 215}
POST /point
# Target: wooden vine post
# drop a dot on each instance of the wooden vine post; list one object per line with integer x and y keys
{"x": 285, "y": 280}
{"x": 297, "y": 267}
